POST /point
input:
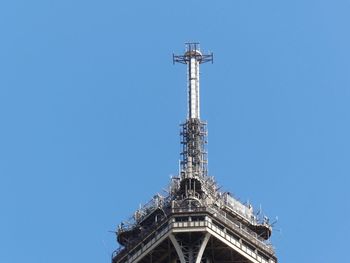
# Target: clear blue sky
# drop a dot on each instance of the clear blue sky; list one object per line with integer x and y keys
{"x": 90, "y": 105}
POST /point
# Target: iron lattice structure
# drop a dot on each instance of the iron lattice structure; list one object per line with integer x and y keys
{"x": 194, "y": 155}
{"x": 194, "y": 222}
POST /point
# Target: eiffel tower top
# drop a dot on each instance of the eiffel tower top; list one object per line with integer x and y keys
{"x": 193, "y": 204}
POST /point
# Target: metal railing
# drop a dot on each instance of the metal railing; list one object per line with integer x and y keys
{"x": 140, "y": 249}
{"x": 215, "y": 213}
{"x": 247, "y": 233}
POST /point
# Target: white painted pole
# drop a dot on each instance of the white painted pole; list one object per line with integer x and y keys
{"x": 193, "y": 82}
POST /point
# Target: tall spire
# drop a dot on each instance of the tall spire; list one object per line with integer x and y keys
{"x": 194, "y": 156}
{"x": 193, "y": 57}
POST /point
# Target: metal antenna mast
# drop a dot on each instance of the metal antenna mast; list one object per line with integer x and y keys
{"x": 193, "y": 57}
{"x": 194, "y": 155}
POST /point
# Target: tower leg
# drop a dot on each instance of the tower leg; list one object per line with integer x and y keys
{"x": 202, "y": 247}
{"x": 178, "y": 249}
{"x": 190, "y": 252}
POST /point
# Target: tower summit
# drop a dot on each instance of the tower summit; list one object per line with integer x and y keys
{"x": 194, "y": 161}
{"x": 194, "y": 222}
